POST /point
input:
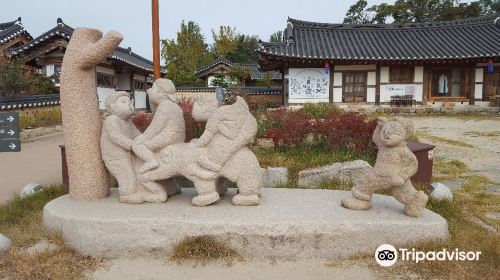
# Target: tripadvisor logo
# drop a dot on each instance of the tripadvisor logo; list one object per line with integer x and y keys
{"x": 386, "y": 255}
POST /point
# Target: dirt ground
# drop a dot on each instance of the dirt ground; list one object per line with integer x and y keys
{"x": 153, "y": 268}
{"x": 38, "y": 162}
{"x": 475, "y": 142}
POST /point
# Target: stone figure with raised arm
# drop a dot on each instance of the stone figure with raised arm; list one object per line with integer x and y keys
{"x": 393, "y": 169}
{"x": 80, "y": 111}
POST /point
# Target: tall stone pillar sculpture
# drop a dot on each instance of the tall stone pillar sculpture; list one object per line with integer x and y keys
{"x": 88, "y": 178}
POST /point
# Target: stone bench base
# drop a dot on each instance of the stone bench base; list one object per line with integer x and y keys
{"x": 288, "y": 224}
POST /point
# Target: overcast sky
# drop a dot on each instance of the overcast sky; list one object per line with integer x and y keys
{"x": 133, "y": 17}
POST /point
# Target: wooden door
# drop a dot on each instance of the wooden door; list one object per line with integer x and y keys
{"x": 354, "y": 86}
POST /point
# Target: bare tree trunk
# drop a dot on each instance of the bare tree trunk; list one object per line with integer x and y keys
{"x": 88, "y": 177}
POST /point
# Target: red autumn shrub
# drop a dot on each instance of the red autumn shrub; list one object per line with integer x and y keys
{"x": 194, "y": 129}
{"x": 287, "y": 127}
{"x": 142, "y": 121}
{"x": 352, "y": 132}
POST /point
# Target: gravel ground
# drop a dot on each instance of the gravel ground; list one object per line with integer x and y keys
{"x": 483, "y": 158}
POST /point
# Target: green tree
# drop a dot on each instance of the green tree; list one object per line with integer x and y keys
{"x": 245, "y": 49}
{"x": 276, "y": 37}
{"x": 357, "y": 13}
{"x": 16, "y": 80}
{"x": 409, "y": 11}
{"x": 225, "y": 41}
{"x": 184, "y": 54}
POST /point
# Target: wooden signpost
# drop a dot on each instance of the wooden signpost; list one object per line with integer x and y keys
{"x": 9, "y": 132}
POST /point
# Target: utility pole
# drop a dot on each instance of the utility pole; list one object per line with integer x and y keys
{"x": 156, "y": 38}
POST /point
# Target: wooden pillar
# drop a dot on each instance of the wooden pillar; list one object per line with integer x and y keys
{"x": 330, "y": 90}
{"x": 156, "y": 38}
{"x": 285, "y": 85}
{"x": 377, "y": 86}
{"x": 472, "y": 84}
{"x": 426, "y": 84}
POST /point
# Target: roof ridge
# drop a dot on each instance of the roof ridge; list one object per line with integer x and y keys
{"x": 297, "y": 23}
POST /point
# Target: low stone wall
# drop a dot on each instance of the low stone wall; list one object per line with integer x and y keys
{"x": 252, "y": 99}
{"x": 27, "y": 134}
{"x": 424, "y": 110}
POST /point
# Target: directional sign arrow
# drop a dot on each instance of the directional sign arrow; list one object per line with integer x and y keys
{"x": 10, "y": 146}
{"x": 9, "y": 118}
{"x": 9, "y": 132}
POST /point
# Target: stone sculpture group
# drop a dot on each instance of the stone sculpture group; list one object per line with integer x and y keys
{"x": 141, "y": 161}
{"x": 145, "y": 164}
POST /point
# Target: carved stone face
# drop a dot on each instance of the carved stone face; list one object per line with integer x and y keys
{"x": 392, "y": 133}
{"x": 123, "y": 107}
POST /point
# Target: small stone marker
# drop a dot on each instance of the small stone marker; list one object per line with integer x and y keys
{"x": 440, "y": 191}
{"x": 4, "y": 244}
{"x": 9, "y": 132}
{"x": 30, "y": 189}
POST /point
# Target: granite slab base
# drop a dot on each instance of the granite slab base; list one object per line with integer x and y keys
{"x": 288, "y": 224}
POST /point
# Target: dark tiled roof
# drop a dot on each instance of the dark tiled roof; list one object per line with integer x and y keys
{"x": 220, "y": 60}
{"x": 244, "y": 90}
{"x": 128, "y": 57}
{"x": 11, "y": 30}
{"x": 120, "y": 55}
{"x": 255, "y": 72}
{"x": 5, "y": 25}
{"x": 461, "y": 39}
{"x": 60, "y": 30}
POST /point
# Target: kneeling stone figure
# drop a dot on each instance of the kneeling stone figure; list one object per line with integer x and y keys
{"x": 392, "y": 171}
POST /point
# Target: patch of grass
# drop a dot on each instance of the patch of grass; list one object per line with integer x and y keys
{"x": 469, "y": 202}
{"x": 40, "y": 117}
{"x": 203, "y": 248}
{"x": 21, "y": 221}
{"x": 448, "y": 170}
{"x": 17, "y": 209}
{"x": 484, "y": 134}
{"x": 303, "y": 157}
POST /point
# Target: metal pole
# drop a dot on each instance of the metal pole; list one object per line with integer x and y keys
{"x": 156, "y": 38}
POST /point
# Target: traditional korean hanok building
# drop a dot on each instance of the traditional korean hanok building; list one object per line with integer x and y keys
{"x": 434, "y": 63}
{"x": 223, "y": 66}
{"x": 12, "y": 34}
{"x": 123, "y": 70}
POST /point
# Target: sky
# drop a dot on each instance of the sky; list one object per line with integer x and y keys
{"x": 132, "y": 18}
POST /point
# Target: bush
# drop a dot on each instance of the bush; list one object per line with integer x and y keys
{"x": 352, "y": 132}
{"x": 320, "y": 110}
{"x": 142, "y": 121}
{"x": 40, "y": 117}
{"x": 287, "y": 127}
{"x": 194, "y": 129}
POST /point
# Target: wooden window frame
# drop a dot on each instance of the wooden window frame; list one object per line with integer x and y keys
{"x": 411, "y": 75}
{"x": 113, "y": 80}
{"x": 365, "y": 72}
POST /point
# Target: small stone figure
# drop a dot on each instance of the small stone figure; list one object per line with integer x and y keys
{"x": 229, "y": 129}
{"x": 224, "y": 154}
{"x": 392, "y": 171}
{"x": 117, "y": 138}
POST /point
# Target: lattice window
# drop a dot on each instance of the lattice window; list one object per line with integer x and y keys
{"x": 401, "y": 75}
{"x": 105, "y": 80}
{"x": 139, "y": 85}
